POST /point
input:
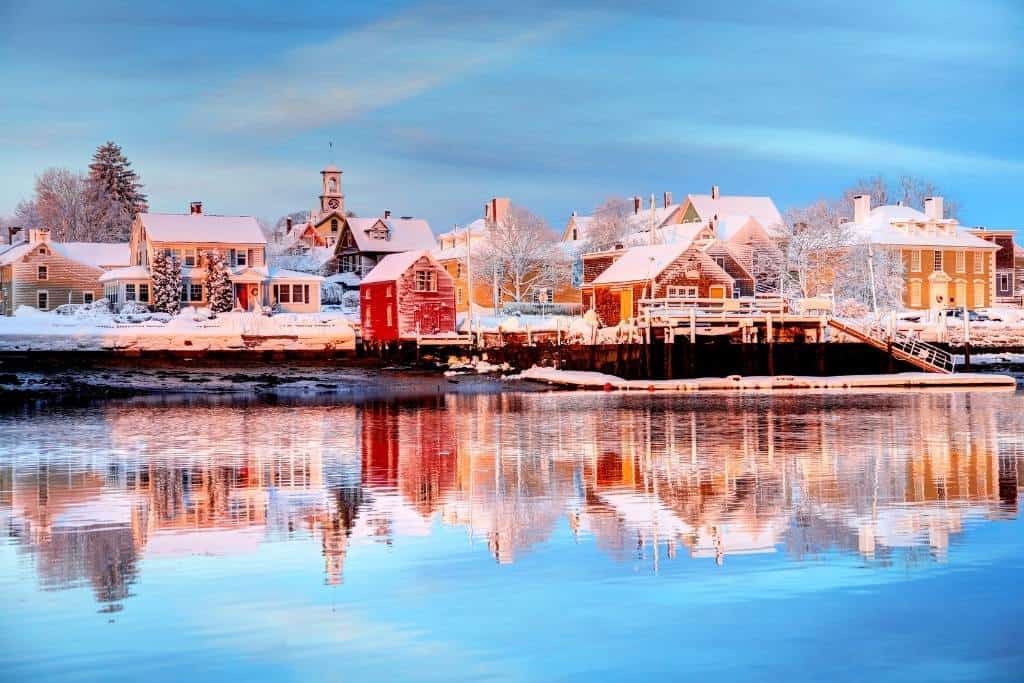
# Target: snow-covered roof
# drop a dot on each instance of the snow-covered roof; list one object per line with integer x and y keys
{"x": 729, "y": 226}
{"x": 477, "y": 227}
{"x": 96, "y": 254}
{"x": 275, "y": 273}
{"x": 392, "y": 266}
{"x": 176, "y": 227}
{"x": 348, "y": 279}
{"x": 761, "y": 208}
{"x": 906, "y": 226}
{"x": 405, "y": 234}
{"x": 641, "y": 263}
{"x": 15, "y": 252}
{"x": 129, "y": 273}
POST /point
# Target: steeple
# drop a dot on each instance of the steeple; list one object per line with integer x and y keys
{"x": 331, "y": 198}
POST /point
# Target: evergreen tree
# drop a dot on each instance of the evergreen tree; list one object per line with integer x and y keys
{"x": 166, "y": 272}
{"x": 218, "y": 283}
{"x": 111, "y": 175}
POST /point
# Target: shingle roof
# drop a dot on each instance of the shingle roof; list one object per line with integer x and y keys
{"x": 176, "y": 227}
{"x": 405, "y": 234}
{"x": 641, "y": 263}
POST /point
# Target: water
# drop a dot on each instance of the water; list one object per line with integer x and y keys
{"x": 515, "y": 537}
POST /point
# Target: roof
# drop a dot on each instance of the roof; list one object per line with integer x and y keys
{"x": 477, "y": 227}
{"x": 641, "y": 263}
{"x": 96, "y": 254}
{"x": 176, "y": 227}
{"x": 392, "y": 266}
{"x": 881, "y": 227}
{"x": 729, "y": 226}
{"x": 407, "y": 234}
{"x": 761, "y": 208}
{"x": 129, "y": 273}
{"x": 14, "y": 252}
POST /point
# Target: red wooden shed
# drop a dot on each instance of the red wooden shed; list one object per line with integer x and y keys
{"x": 406, "y": 295}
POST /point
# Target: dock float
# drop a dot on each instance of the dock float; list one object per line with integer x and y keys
{"x": 893, "y": 382}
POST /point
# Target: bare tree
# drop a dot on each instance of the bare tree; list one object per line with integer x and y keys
{"x": 610, "y": 224}
{"x": 909, "y": 190}
{"x": 519, "y": 255}
{"x": 65, "y": 204}
{"x": 817, "y": 237}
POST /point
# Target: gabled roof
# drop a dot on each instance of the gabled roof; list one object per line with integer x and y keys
{"x": 641, "y": 263}
{"x": 761, "y": 208}
{"x": 921, "y": 231}
{"x": 392, "y": 266}
{"x": 405, "y": 234}
{"x": 176, "y": 227}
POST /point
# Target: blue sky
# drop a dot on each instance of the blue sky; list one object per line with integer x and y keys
{"x": 434, "y": 107}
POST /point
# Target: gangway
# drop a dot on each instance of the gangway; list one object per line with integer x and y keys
{"x": 923, "y": 355}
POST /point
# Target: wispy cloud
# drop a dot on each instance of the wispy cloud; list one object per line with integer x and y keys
{"x": 373, "y": 67}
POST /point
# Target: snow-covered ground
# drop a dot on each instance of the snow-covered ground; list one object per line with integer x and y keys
{"x": 191, "y": 330}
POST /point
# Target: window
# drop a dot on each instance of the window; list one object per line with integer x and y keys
{"x": 297, "y": 294}
{"x": 979, "y": 294}
{"x": 144, "y": 292}
{"x": 677, "y": 292}
{"x": 388, "y": 310}
{"x": 240, "y": 256}
{"x": 915, "y": 261}
{"x": 42, "y": 273}
{"x": 42, "y": 300}
{"x": 915, "y": 293}
{"x": 366, "y": 318}
{"x": 387, "y": 293}
{"x": 190, "y": 257}
{"x": 543, "y": 295}
{"x": 184, "y": 292}
{"x": 426, "y": 281}
{"x": 129, "y": 291}
{"x": 979, "y": 262}
{"x": 458, "y": 270}
{"x": 196, "y": 292}
{"x": 937, "y": 260}
{"x": 458, "y": 295}
{"x": 720, "y": 260}
{"x": 961, "y": 262}
{"x": 286, "y": 294}
{"x": 349, "y": 263}
{"x": 87, "y": 297}
{"x": 1003, "y": 283}
{"x": 334, "y": 225}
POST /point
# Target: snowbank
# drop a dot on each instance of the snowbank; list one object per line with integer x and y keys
{"x": 32, "y": 330}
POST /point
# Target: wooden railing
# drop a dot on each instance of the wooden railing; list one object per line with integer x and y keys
{"x": 902, "y": 347}
{"x": 675, "y": 306}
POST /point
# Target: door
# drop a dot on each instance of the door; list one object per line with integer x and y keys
{"x": 242, "y": 295}
{"x": 430, "y": 319}
{"x": 625, "y": 304}
{"x": 961, "y": 293}
{"x": 716, "y": 292}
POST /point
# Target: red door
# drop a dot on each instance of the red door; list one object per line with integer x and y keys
{"x": 430, "y": 319}
{"x": 242, "y": 294}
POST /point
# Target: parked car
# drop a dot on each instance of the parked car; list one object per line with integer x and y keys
{"x": 973, "y": 316}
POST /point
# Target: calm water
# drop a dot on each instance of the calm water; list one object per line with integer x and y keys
{"x": 516, "y": 537}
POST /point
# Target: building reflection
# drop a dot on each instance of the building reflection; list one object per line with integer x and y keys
{"x": 889, "y": 480}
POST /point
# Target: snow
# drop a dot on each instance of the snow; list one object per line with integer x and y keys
{"x": 96, "y": 254}
{"x": 203, "y": 228}
{"x": 350, "y": 280}
{"x": 642, "y": 263}
{"x": 762, "y": 209}
{"x": 190, "y": 330}
{"x": 129, "y": 273}
{"x": 903, "y": 380}
{"x": 405, "y": 234}
{"x": 880, "y": 228}
{"x": 392, "y": 266}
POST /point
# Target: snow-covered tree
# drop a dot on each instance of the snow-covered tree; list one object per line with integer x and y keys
{"x": 166, "y": 273}
{"x": 872, "y": 276}
{"x": 111, "y": 173}
{"x": 818, "y": 236}
{"x": 219, "y": 293}
{"x": 610, "y": 224}
{"x": 519, "y": 254}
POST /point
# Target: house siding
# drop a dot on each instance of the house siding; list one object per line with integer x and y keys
{"x": 930, "y": 289}
{"x": 66, "y": 281}
{"x": 411, "y": 311}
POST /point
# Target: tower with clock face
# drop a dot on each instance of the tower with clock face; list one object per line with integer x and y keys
{"x": 331, "y": 199}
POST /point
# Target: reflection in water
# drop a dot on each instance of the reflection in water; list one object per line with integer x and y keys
{"x": 92, "y": 495}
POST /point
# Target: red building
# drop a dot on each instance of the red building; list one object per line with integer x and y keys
{"x": 406, "y": 295}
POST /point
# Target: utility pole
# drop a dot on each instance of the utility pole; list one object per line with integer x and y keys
{"x": 650, "y": 231}
{"x": 871, "y": 276}
{"x": 469, "y": 277}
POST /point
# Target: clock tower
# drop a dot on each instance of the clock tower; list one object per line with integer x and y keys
{"x": 331, "y": 199}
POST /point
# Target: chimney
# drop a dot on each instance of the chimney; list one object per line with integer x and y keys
{"x": 637, "y": 203}
{"x": 714, "y": 191}
{"x": 933, "y": 208}
{"x": 11, "y": 232}
{"x": 37, "y": 235}
{"x": 861, "y": 208}
{"x": 387, "y": 214}
{"x": 288, "y": 225}
{"x": 667, "y": 199}
{"x": 500, "y": 208}
{"x": 195, "y": 208}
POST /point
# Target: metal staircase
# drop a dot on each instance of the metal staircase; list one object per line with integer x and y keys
{"x": 927, "y": 357}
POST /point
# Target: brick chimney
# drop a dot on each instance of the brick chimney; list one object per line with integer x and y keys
{"x": 500, "y": 208}
{"x": 637, "y": 204}
{"x": 387, "y": 214}
{"x": 37, "y": 235}
{"x": 861, "y": 208}
{"x": 667, "y": 199}
{"x": 11, "y": 232}
{"x": 933, "y": 208}
{"x": 714, "y": 192}
{"x": 288, "y": 225}
{"x": 195, "y": 208}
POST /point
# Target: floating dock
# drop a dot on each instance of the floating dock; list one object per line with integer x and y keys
{"x": 897, "y": 381}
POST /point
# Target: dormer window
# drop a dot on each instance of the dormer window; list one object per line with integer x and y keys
{"x": 380, "y": 231}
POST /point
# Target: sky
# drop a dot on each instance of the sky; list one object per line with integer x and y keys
{"x": 435, "y": 107}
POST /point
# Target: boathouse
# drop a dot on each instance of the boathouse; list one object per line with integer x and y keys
{"x": 406, "y": 296}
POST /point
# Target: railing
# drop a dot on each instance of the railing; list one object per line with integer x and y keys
{"x": 532, "y": 308}
{"x": 901, "y": 346}
{"x": 677, "y": 306}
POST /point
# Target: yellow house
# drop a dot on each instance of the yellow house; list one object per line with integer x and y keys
{"x": 944, "y": 266}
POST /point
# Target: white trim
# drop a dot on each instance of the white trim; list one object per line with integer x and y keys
{"x": 47, "y": 293}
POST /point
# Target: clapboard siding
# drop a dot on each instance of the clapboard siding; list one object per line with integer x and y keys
{"x": 412, "y": 312}
{"x": 66, "y": 279}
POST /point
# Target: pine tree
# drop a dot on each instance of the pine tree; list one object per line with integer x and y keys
{"x": 111, "y": 175}
{"x": 166, "y": 272}
{"x": 218, "y": 283}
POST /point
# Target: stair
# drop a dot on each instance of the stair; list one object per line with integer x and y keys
{"x": 927, "y": 357}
